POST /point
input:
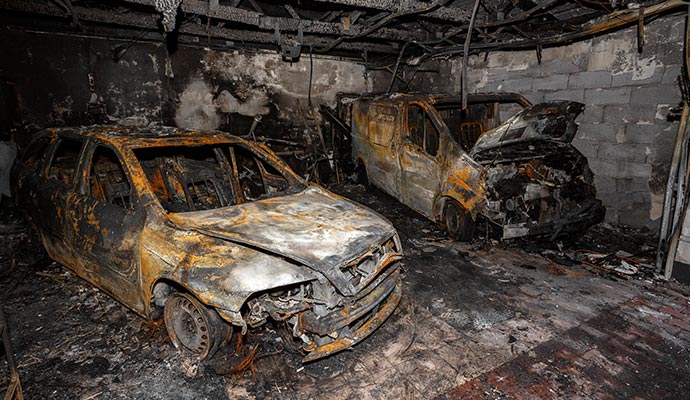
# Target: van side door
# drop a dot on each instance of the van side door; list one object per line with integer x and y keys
{"x": 420, "y": 159}
{"x": 379, "y": 139}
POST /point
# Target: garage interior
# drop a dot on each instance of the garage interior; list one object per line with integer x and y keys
{"x": 602, "y": 313}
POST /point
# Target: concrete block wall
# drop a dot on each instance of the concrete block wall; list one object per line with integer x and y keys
{"x": 624, "y": 130}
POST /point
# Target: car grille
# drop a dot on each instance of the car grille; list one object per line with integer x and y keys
{"x": 364, "y": 269}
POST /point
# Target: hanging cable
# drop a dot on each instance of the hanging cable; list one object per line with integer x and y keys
{"x": 465, "y": 54}
{"x": 397, "y": 64}
{"x": 311, "y": 74}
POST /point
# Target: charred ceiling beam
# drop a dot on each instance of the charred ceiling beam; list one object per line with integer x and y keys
{"x": 142, "y": 21}
{"x": 523, "y": 15}
{"x": 446, "y": 13}
{"x": 283, "y": 24}
{"x": 609, "y": 22}
{"x": 378, "y": 26}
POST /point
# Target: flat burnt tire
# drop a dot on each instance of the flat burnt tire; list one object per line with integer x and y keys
{"x": 457, "y": 222}
{"x": 194, "y": 327}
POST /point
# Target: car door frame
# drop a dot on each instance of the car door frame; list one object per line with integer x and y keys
{"x": 416, "y": 162}
{"x": 102, "y": 247}
{"x": 380, "y": 159}
{"x": 54, "y": 230}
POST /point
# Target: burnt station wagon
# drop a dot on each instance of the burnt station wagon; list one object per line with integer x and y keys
{"x": 215, "y": 230}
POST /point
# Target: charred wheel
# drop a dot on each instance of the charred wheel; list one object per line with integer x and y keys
{"x": 193, "y": 326}
{"x": 457, "y": 221}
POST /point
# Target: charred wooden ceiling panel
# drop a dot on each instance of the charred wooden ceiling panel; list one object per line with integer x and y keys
{"x": 374, "y": 30}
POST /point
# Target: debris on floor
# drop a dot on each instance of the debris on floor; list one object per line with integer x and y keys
{"x": 620, "y": 263}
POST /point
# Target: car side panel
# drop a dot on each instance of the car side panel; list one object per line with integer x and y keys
{"x": 376, "y": 137}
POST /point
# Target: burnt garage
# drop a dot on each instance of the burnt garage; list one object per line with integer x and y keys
{"x": 344, "y": 199}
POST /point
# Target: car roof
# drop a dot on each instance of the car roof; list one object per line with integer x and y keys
{"x": 135, "y": 137}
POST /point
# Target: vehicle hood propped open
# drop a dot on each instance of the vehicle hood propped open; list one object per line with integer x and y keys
{"x": 551, "y": 121}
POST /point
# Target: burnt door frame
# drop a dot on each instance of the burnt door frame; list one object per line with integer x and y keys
{"x": 50, "y": 202}
{"x": 382, "y": 156}
{"x": 420, "y": 172}
{"x": 106, "y": 236}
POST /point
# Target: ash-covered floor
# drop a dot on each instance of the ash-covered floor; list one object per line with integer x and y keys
{"x": 476, "y": 321}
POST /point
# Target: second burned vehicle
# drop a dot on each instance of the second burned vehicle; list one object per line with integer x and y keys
{"x": 523, "y": 175}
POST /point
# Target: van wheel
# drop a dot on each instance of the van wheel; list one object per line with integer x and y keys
{"x": 361, "y": 174}
{"x": 194, "y": 327}
{"x": 457, "y": 222}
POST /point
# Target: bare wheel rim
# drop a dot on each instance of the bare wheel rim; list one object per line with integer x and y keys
{"x": 188, "y": 324}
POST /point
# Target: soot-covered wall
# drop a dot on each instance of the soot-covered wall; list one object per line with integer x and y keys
{"x": 59, "y": 78}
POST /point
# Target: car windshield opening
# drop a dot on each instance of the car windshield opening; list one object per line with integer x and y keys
{"x": 194, "y": 178}
{"x": 468, "y": 125}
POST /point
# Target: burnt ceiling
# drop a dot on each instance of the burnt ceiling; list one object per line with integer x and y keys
{"x": 409, "y": 30}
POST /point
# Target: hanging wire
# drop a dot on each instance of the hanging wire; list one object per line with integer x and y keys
{"x": 311, "y": 75}
{"x": 465, "y": 54}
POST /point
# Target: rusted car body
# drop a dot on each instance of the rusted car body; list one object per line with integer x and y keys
{"x": 216, "y": 230}
{"x": 452, "y": 164}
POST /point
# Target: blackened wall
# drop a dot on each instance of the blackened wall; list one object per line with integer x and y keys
{"x": 57, "y": 75}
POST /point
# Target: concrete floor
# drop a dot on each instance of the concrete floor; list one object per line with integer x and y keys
{"x": 493, "y": 323}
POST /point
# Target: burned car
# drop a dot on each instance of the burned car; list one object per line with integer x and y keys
{"x": 520, "y": 173}
{"x": 211, "y": 230}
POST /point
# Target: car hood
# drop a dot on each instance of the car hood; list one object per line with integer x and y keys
{"x": 314, "y": 227}
{"x": 551, "y": 121}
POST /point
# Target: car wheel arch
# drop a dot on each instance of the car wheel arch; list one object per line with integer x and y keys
{"x": 440, "y": 209}
{"x": 159, "y": 291}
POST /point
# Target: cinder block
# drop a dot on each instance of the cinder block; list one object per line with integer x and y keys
{"x": 593, "y": 114}
{"x": 629, "y": 114}
{"x": 533, "y": 71}
{"x": 671, "y": 73}
{"x": 492, "y": 85}
{"x": 563, "y": 66}
{"x": 635, "y": 198}
{"x": 611, "y": 216}
{"x": 631, "y": 185}
{"x": 661, "y": 94}
{"x": 612, "y": 199}
{"x": 533, "y": 96}
{"x": 553, "y": 82}
{"x": 497, "y": 74}
{"x": 516, "y": 85}
{"x": 623, "y": 152}
{"x": 569, "y": 94}
{"x": 599, "y": 132}
{"x": 600, "y": 61}
{"x": 603, "y": 167}
{"x": 608, "y": 96}
{"x": 605, "y": 184}
{"x": 669, "y": 50}
{"x": 636, "y": 216}
{"x": 626, "y": 169}
{"x": 628, "y": 78}
{"x": 641, "y": 133}
{"x": 587, "y": 147}
{"x": 590, "y": 79}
